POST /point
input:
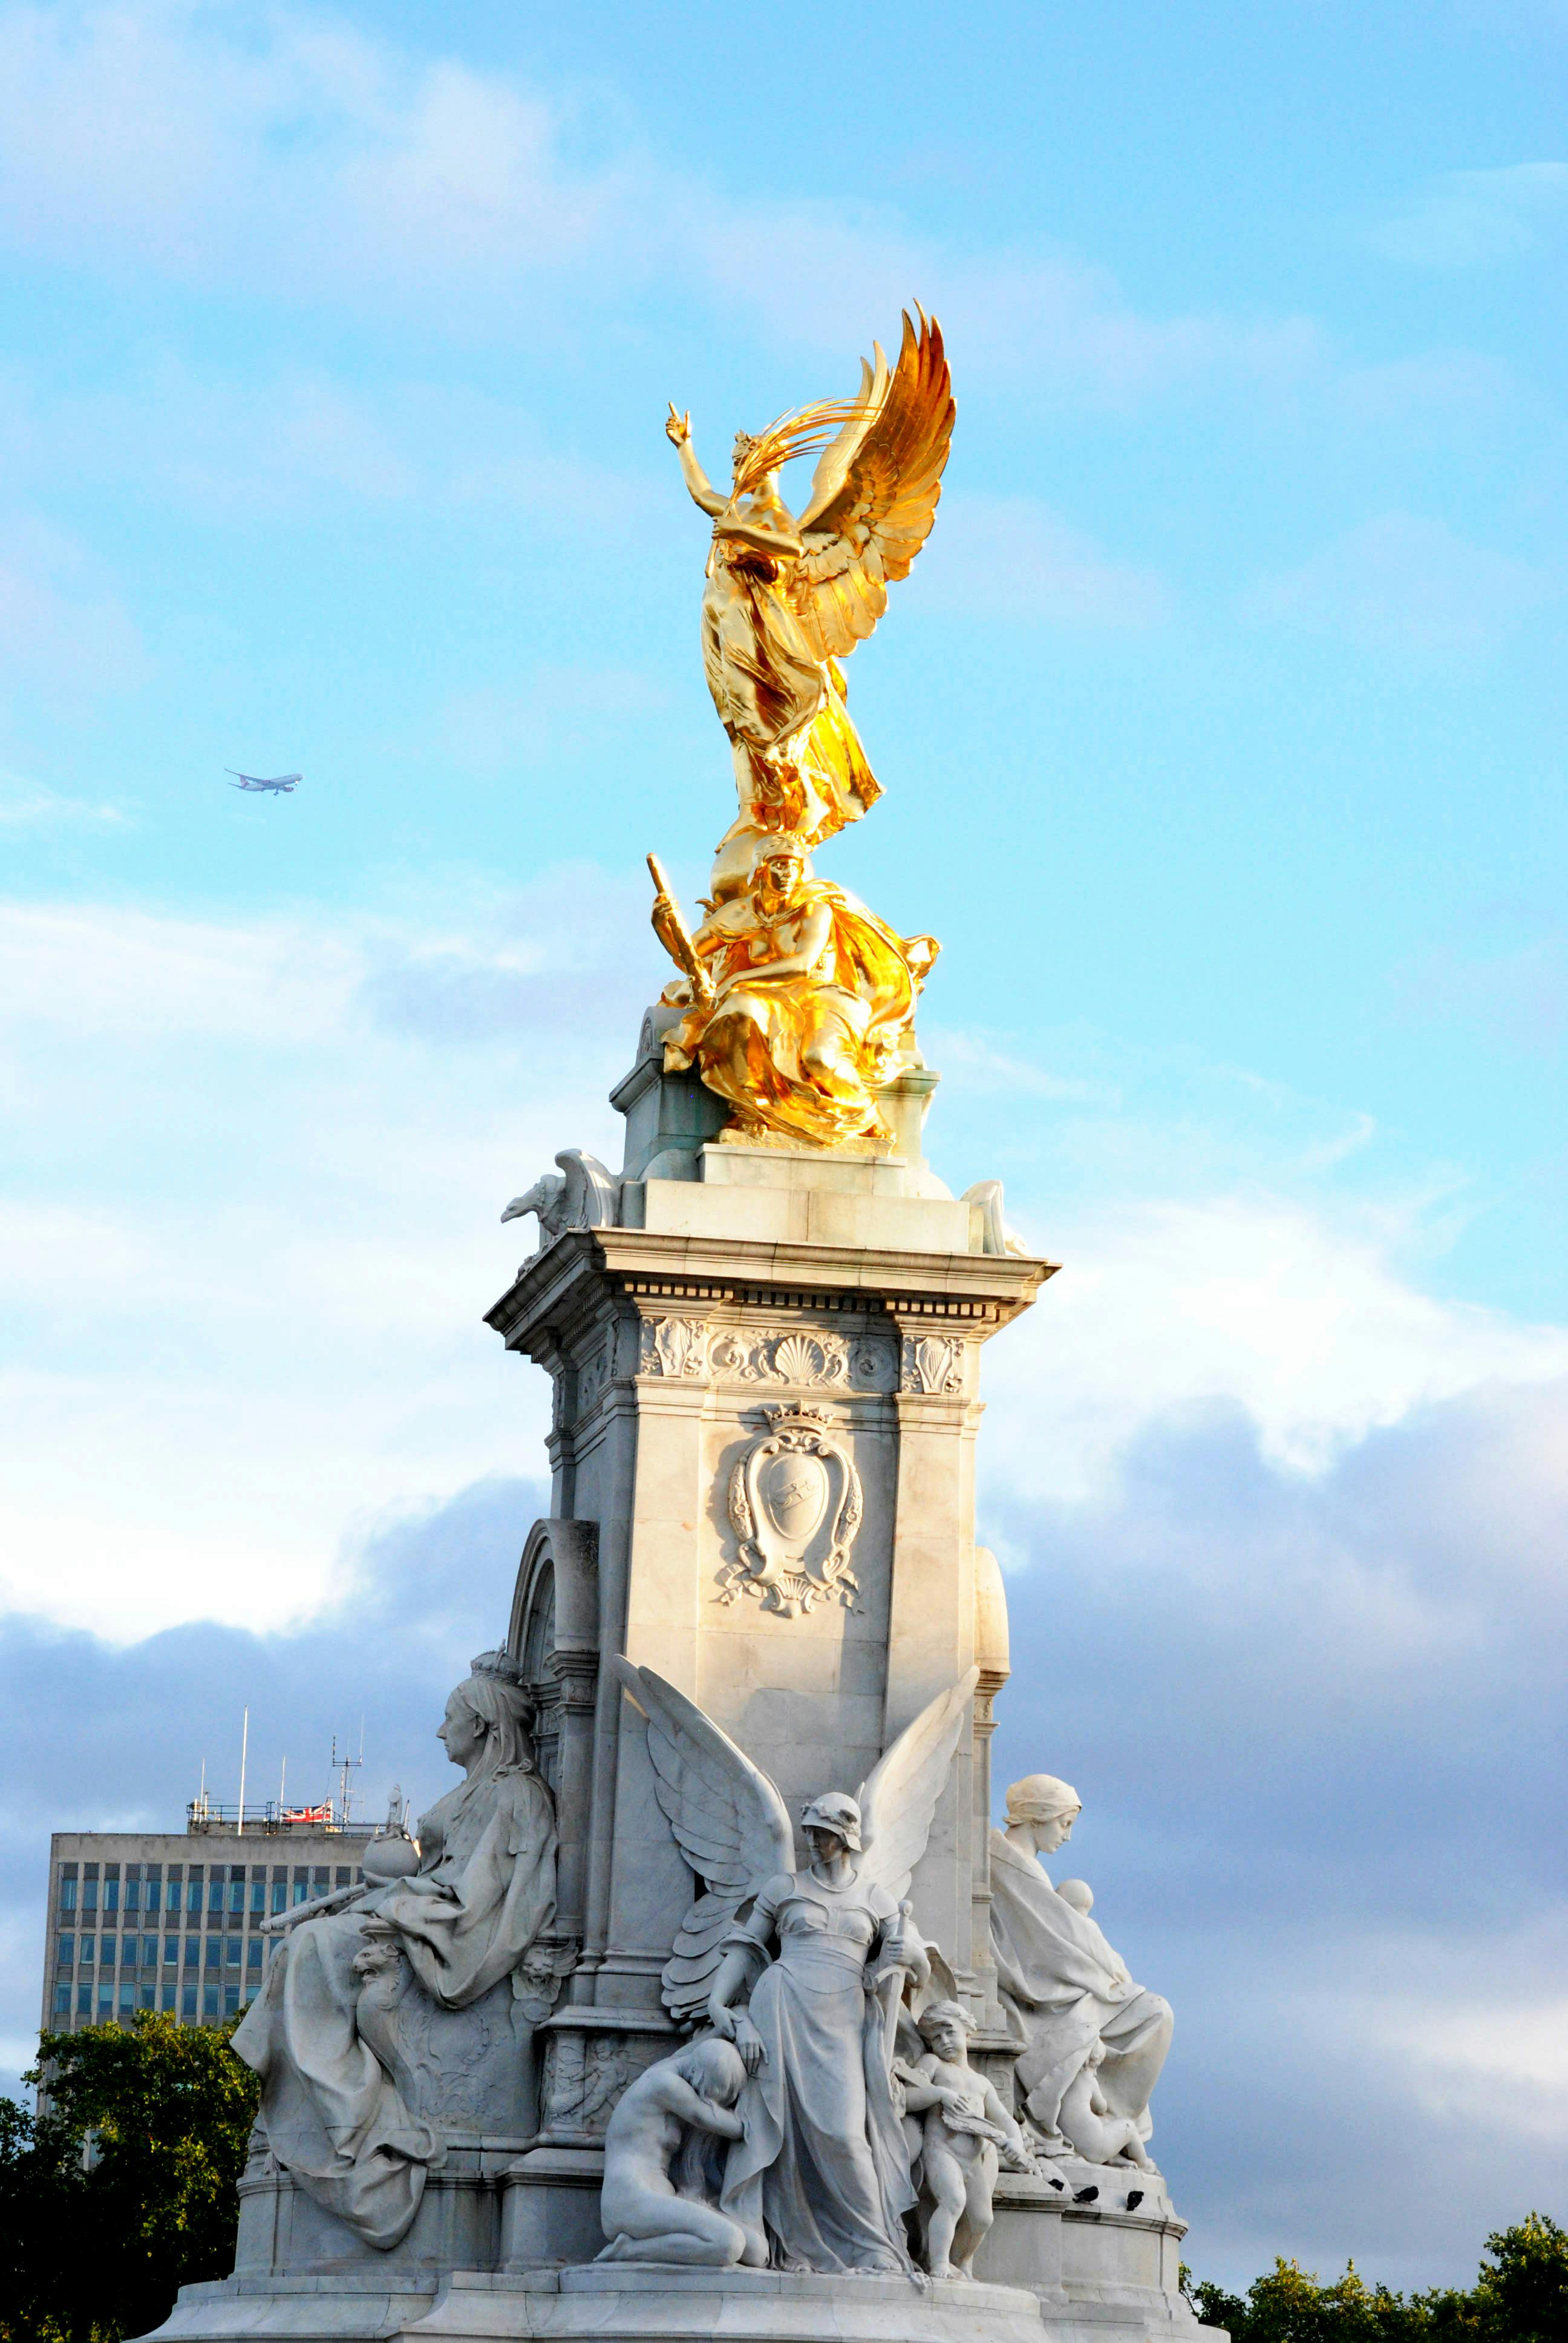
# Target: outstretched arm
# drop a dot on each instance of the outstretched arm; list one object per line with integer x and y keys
{"x": 678, "y": 431}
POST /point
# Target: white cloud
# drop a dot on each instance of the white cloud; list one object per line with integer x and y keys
{"x": 1405, "y": 584}
{"x": 61, "y": 626}
{"x": 1298, "y": 1313}
{"x": 252, "y": 1223}
{"x": 24, "y": 803}
{"x": 298, "y": 158}
{"x": 1469, "y": 218}
{"x": 1011, "y": 557}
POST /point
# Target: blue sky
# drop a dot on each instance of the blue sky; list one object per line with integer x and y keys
{"x": 1222, "y": 723}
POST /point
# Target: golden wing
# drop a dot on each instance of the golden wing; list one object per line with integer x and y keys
{"x": 874, "y": 496}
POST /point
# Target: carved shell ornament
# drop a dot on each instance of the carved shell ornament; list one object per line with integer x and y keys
{"x": 795, "y": 1504}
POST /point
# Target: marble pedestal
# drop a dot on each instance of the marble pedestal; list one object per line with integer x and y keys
{"x": 711, "y": 1295}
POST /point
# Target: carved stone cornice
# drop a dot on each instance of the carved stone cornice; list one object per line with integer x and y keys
{"x": 555, "y": 1294}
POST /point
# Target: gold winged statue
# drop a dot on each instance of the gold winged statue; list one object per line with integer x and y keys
{"x": 800, "y": 1001}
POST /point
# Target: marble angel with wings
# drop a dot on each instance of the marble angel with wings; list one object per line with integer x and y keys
{"x": 787, "y": 598}
{"x": 820, "y": 1959}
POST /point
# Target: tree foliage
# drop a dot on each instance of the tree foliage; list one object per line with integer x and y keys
{"x": 1521, "y": 2295}
{"x": 126, "y": 2189}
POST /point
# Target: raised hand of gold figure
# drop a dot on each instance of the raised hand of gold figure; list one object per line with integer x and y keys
{"x": 678, "y": 427}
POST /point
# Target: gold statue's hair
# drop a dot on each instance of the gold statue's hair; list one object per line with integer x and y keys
{"x": 800, "y": 433}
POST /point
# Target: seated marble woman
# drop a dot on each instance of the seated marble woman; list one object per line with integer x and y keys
{"x": 654, "y": 2205}
{"x": 339, "y": 2089}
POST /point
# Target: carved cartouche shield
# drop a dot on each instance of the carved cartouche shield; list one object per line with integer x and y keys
{"x": 795, "y": 1504}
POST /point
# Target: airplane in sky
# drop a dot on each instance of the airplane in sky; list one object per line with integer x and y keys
{"x": 282, "y": 787}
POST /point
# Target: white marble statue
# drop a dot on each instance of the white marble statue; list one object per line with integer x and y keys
{"x": 966, "y": 2136}
{"x": 337, "y": 2087}
{"x": 656, "y": 2206}
{"x": 821, "y": 2180}
{"x": 1065, "y": 1986}
{"x": 1088, "y": 2123}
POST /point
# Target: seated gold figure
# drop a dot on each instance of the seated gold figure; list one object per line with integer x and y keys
{"x": 802, "y": 1003}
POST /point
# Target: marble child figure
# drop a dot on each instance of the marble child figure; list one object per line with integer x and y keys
{"x": 337, "y": 2092}
{"x": 1098, "y": 2135}
{"x": 1066, "y": 1988}
{"x": 653, "y": 2206}
{"x": 1079, "y": 1893}
{"x": 966, "y": 2135}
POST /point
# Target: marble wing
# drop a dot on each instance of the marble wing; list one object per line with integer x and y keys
{"x": 874, "y": 495}
{"x": 727, "y": 1818}
{"x": 899, "y": 1797}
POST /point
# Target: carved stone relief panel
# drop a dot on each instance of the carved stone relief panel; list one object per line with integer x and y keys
{"x": 584, "y": 2074}
{"x": 690, "y": 1348}
{"x": 931, "y": 1363}
{"x": 795, "y": 1506}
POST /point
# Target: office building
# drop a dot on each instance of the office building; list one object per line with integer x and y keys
{"x": 171, "y": 1920}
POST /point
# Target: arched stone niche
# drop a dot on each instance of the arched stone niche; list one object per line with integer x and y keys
{"x": 555, "y": 1635}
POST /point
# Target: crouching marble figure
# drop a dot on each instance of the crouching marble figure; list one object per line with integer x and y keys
{"x": 1068, "y": 1993}
{"x": 338, "y": 2087}
{"x": 656, "y": 2204}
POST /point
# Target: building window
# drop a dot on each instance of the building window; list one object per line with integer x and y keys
{"x": 171, "y": 1952}
{"x": 209, "y": 2000}
{"x": 301, "y": 1888}
{"x": 253, "y": 1953}
{"x": 106, "y": 2001}
{"x": 279, "y": 1895}
{"x": 62, "y": 2001}
{"x": 231, "y": 1949}
{"x": 66, "y": 1953}
{"x": 193, "y": 1952}
{"x": 258, "y": 1895}
{"x": 214, "y": 1893}
{"x": 343, "y": 1876}
{"x": 147, "y": 1996}
{"x": 187, "y": 2001}
{"x": 111, "y": 1886}
{"x": 83, "y": 2001}
{"x": 149, "y": 1952}
{"x": 127, "y": 1997}
{"x": 231, "y": 2001}
{"x": 167, "y": 2003}
{"x": 155, "y": 1886}
{"x": 87, "y": 1945}
{"x": 323, "y": 1879}
{"x": 90, "y": 1887}
{"x": 68, "y": 1888}
{"x": 213, "y": 1953}
{"x": 106, "y": 1958}
{"x": 133, "y": 1886}
{"x": 236, "y": 1893}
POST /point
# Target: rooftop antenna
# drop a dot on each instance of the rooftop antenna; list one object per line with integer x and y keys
{"x": 282, "y": 1783}
{"x": 343, "y": 1766}
{"x": 244, "y": 1751}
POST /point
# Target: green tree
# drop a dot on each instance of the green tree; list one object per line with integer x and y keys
{"x": 1521, "y": 2293}
{"x": 140, "y": 2153}
{"x": 1520, "y": 2296}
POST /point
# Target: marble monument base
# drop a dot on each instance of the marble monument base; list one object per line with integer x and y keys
{"x": 1052, "y": 2271}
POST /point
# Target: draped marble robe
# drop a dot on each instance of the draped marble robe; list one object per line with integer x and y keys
{"x": 821, "y": 2179}
{"x": 1069, "y": 1989}
{"x": 336, "y": 2117}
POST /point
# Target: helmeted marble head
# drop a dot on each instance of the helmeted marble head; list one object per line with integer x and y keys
{"x": 834, "y": 1811}
{"x": 1041, "y": 1798}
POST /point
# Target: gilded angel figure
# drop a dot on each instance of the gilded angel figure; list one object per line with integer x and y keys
{"x": 787, "y": 598}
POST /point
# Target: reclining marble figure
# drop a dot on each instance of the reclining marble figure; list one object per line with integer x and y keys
{"x": 339, "y": 2094}
{"x": 808, "y": 1987}
{"x": 655, "y": 2204}
{"x": 1065, "y": 1987}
